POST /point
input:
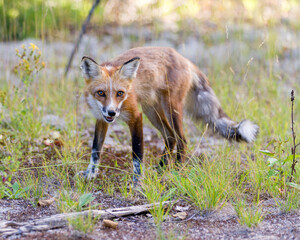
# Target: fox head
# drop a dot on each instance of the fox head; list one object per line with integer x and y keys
{"x": 108, "y": 86}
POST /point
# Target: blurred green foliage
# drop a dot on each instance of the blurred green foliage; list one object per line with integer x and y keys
{"x": 58, "y": 18}
{"x": 43, "y": 18}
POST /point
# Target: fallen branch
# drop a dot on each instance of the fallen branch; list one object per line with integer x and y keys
{"x": 8, "y": 228}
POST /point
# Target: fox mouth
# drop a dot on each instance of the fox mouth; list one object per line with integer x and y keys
{"x": 109, "y": 119}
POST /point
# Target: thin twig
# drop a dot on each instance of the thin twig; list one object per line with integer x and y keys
{"x": 71, "y": 163}
{"x": 83, "y": 30}
{"x": 293, "y": 149}
{"x": 77, "y": 96}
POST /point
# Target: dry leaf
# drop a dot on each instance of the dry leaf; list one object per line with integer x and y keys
{"x": 181, "y": 215}
{"x": 44, "y": 203}
{"x": 109, "y": 223}
{"x": 181, "y": 209}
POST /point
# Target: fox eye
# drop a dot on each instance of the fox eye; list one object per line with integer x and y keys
{"x": 120, "y": 93}
{"x": 101, "y": 93}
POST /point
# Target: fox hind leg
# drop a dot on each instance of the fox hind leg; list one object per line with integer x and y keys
{"x": 177, "y": 123}
{"x": 174, "y": 112}
{"x": 158, "y": 119}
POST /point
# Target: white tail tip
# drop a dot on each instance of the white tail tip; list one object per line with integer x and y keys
{"x": 248, "y": 130}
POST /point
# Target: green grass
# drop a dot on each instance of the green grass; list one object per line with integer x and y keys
{"x": 248, "y": 215}
{"x": 83, "y": 224}
{"x": 44, "y": 19}
{"x": 156, "y": 190}
{"x": 50, "y": 19}
{"x": 207, "y": 185}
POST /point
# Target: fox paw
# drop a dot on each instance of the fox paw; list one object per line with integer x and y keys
{"x": 89, "y": 174}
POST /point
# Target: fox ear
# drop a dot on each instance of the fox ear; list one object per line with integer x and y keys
{"x": 89, "y": 68}
{"x": 129, "y": 68}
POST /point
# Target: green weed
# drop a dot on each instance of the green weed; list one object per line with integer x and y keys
{"x": 24, "y": 117}
{"x": 14, "y": 191}
{"x": 69, "y": 201}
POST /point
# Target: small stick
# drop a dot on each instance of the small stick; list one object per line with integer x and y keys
{"x": 83, "y": 29}
{"x": 293, "y": 149}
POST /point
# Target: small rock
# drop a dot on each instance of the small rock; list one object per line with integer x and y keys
{"x": 181, "y": 209}
{"x": 48, "y": 142}
{"x": 181, "y": 215}
{"x": 109, "y": 223}
{"x": 44, "y": 203}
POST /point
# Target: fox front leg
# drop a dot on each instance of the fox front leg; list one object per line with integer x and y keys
{"x": 136, "y": 130}
{"x": 99, "y": 136}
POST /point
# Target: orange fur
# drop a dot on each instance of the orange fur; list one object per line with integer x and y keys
{"x": 164, "y": 83}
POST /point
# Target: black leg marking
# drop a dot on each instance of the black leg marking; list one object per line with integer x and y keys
{"x": 136, "y": 169}
{"x": 137, "y": 146}
{"x": 94, "y": 158}
{"x": 95, "y": 151}
{"x": 99, "y": 136}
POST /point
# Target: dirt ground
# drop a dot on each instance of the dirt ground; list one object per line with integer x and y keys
{"x": 220, "y": 224}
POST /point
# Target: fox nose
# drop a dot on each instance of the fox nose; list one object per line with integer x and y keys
{"x": 111, "y": 113}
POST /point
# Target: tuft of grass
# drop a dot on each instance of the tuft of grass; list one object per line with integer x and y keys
{"x": 290, "y": 202}
{"x": 171, "y": 234}
{"x": 248, "y": 215}
{"x": 125, "y": 187}
{"x": 108, "y": 185}
{"x": 207, "y": 185}
{"x": 36, "y": 191}
{"x": 83, "y": 224}
{"x": 155, "y": 190}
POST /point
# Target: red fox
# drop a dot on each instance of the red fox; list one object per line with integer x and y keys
{"x": 164, "y": 84}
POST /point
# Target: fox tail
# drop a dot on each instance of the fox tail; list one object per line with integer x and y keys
{"x": 202, "y": 104}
